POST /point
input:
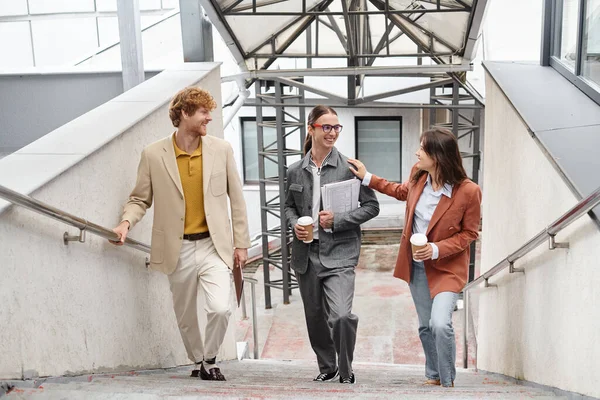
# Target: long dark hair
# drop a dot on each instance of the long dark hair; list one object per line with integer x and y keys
{"x": 313, "y": 116}
{"x": 441, "y": 145}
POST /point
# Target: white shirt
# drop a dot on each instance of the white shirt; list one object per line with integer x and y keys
{"x": 425, "y": 207}
{"x": 316, "y": 196}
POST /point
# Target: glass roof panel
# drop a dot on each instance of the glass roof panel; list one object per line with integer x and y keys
{"x": 265, "y": 29}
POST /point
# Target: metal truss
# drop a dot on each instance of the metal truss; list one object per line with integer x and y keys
{"x": 361, "y": 31}
{"x": 462, "y": 113}
{"x": 278, "y": 152}
{"x": 464, "y": 123}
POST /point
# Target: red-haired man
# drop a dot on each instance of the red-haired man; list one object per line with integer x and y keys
{"x": 189, "y": 176}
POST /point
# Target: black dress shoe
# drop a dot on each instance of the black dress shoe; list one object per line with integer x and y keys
{"x": 213, "y": 374}
{"x": 349, "y": 380}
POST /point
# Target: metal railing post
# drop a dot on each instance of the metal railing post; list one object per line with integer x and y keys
{"x": 253, "y": 283}
{"x": 466, "y": 330}
{"x": 243, "y": 305}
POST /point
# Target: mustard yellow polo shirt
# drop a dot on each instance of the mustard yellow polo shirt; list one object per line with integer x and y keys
{"x": 190, "y": 173}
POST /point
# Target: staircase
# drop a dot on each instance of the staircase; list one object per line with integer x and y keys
{"x": 260, "y": 379}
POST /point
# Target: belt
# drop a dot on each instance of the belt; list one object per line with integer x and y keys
{"x": 196, "y": 236}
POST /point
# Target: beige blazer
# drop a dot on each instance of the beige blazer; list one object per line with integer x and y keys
{"x": 158, "y": 181}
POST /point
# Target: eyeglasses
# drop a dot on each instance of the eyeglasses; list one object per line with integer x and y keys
{"x": 327, "y": 128}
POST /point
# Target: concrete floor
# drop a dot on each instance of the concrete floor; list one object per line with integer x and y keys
{"x": 269, "y": 379}
{"x": 388, "y": 359}
{"x": 387, "y": 329}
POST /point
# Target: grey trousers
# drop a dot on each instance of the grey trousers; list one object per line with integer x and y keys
{"x": 435, "y": 327}
{"x": 327, "y": 295}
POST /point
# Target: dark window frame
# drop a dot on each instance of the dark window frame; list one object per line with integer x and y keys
{"x": 551, "y": 30}
{"x": 379, "y": 118}
{"x": 242, "y": 120}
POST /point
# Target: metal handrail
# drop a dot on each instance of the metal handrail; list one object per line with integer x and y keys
{"x": 580, "y": 209}
{"x": 70, "y": 219}
{"x": 85, "y": 225}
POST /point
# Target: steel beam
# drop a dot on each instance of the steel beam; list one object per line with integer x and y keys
{"x": 432, "y": 111}
{"x": 439, "y": 3}
{"x": 394, "y": 19}
{"x": 455, "y": 102}
{"x": 338, "y": 13}
{"x": 430, "y": 33}
{"x": 130, "y": 33}
{"x": 546, "y": 33}
{"x": 385, "y": 40}
{"x": 382, "y": 105}
{"x": 74, "y": 14}
{"x": 401, "y": 70}
{"x": 217, "y": 19}
{"x": 282, "y": 169}
{"x": 256, "y": 5}
{"x": 468, "y": 88}
{"x": 309, "y": 88}
{"x": 337, "y": 31}
{"x": 196, "y": 32}
{"x": 290, "y": 24}
{"x": 297, "y": 33}
{"x": 402, "y": 91}
{"x": 350, "y": 39}
{"x": 231, "y": 7}
{"x": 474, "y": 29}
{"x": 371, "y": 56}
{"x": 263, "y": 197}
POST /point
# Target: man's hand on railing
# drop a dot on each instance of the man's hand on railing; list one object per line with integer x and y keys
{"x": 122, "y": 230}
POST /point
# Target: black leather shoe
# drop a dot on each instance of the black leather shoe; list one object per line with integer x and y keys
{"x": 348, "y": 380}
{"x": 213, "y": 374}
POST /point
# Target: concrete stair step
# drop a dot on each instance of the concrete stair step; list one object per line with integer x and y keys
{"x": 249, "y": 379}
{"x": 381, "y": 236}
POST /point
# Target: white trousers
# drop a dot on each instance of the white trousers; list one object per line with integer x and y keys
{"x": 199, "y": 264}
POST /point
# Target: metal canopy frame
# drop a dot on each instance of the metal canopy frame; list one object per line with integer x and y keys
{"x": 363, "y": 18}
{"x": 379, "y": 29}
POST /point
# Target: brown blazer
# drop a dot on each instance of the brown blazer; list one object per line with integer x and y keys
{"x": 158, "y": 182}
{"x": 454, "y": 225}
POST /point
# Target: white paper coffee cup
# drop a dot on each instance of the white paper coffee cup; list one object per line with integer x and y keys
{"x": 418, "y": 241}
{"x": 307, "y": 223}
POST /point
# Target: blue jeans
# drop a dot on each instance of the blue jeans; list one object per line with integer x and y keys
{"x": 435, "y": 327}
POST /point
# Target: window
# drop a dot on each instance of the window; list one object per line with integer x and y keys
{"x": 565, "y": 45}
{"x": 591, "y": 43}
{"x": 379, "y": 145}
{"x": 250, "y": 148}
{"x": 573, "y": 38}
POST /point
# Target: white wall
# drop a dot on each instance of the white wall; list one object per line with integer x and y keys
{"x": 90, "y": 307}
{"x": 37, "y": 33}
{"x": 541, "y": 326}
{"x": 521, "y": 42}
{"x": 59, "y": 98}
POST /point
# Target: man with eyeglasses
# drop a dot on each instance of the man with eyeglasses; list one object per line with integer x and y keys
{"x": 325, "y": 267}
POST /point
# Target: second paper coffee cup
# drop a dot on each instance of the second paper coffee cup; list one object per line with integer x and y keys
{"x": 307, "y": 223}
{"x": 417, "y": 241}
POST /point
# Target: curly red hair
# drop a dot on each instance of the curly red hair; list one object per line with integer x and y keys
{"x": 190, "y": 100}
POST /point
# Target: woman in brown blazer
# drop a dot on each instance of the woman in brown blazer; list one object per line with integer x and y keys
{"x": 443, "y": 204}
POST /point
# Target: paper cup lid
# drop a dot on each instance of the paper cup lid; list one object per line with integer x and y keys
{"x": 418, "y": 239}
{"x": 305, "y": 221}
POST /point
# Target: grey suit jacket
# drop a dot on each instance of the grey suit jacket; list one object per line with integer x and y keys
{"x": 340, "y": 248}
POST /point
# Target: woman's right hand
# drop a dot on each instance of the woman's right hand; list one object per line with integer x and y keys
{"x": 301, "y": 232}
{"x": 360, "y": 170}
